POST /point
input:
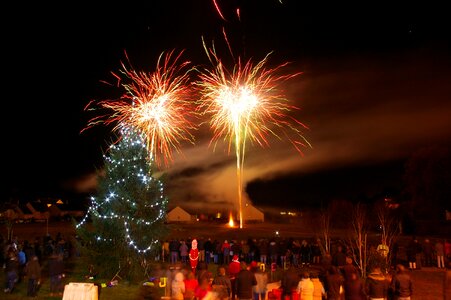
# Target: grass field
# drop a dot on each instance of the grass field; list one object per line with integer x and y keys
{"x": 429, "y": 283}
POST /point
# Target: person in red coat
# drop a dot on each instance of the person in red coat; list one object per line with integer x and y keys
{"x": 234, "y": 269}
{"x": 193, "y": 255}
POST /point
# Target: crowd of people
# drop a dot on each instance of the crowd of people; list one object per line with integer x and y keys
{"x": 301, "y": 252}
{"x": 427, "y": 253}
{"x": 239, "y": 280}
{"x": 29, "y": 262}
{"x": 308, "y": 270}
{"x": 266, "y": 251}
{"x": 244, "y": 269}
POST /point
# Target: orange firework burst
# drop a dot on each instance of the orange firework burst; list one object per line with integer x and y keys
{"x": 158, "y": 104}
{"x": 247, "y": 104}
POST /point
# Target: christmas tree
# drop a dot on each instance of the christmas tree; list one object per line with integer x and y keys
{"x": 127, "y": 217}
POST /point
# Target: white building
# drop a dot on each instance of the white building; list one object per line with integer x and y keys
{"x": 178, "y": 214}
{"x": 252, "y": 214}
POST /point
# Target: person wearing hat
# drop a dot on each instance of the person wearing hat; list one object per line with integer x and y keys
{"x": 234, "y": 269}
{"x": 193, "y": 255}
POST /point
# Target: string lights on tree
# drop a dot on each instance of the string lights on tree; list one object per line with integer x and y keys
{"x": 129, "y": 211}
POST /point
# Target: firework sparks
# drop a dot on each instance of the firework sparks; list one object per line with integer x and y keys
{"x": 158, "y": 104}
{"x": 247, "y": 104}
{"x": 218, "y": 10}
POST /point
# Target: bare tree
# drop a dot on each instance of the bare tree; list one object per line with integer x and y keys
{"x": 389, "y": 226}
{"x": 325, "y": 217}
{"x": 359, "y": 239}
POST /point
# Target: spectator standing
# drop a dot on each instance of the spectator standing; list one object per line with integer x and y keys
{"x": 33, "y": 272}
{"x": 245, "y": 250}
{"x": 282, "y": 249}
{"x": 222, "y": 284}
{"x": 184, "y": 252}
{"x": 440, "y": 252}
{"x": 56, "y": 273}
{"x": 204, "y": 273}
{"x": 2, "y": 253}
{"x": 165, "y": 251}
{"x": 209, "y": 252}
{"x": 354, "y": 288}
{"x": 174, "y": 249}
{"x": 235, "y": 248}
{"x": 427, "y": 253}
{"x": 272, "y": 251}
{"x": 326, "y": 261}
{"x": 234, "y": 269}
{"x": 306, "y": 253}
{"x": 178, "y": 286}
{"x": 11, "y": 271}
{"x": 348, "y": 269}
{"x": 244, "y": 283}
{"x": 376, "y": 285}
{"x": 334, "y": 284}
{"x": 22, "y": 258}
{"x": 225, "y": 250}
{"x": 411, "y": 251}
{"x": 402, "y": 284}
{"x": 339, "y": 258}
{"x": 305, "y": 287}
{"x": 447, "y": 251}
{"x": 202, "y": 289}
{"x": 289, "y": 282}
{"x": 191, "y": 284}
{"x": 296, "y": 252}
{"x": 201, "y": 248}
{"x": 418, "y": 254}
{"x": 254, "y": 254}
{"x": 318, "y": 288}
{"x": 28, "y": 249}
{"x": 260, "y": 289}
{"x": 263, "y": 249}
{"x": 316, "y": 252}
{"x": 217, "y": 256}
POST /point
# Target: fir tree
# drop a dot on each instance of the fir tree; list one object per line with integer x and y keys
{"x": 127, "y": 217}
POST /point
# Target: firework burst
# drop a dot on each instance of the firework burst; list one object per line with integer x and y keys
{"x": 247, "y": 104}
{"x": 158, "y": 104}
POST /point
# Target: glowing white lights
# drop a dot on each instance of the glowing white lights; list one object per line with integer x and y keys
{"x": 132, "y": 207}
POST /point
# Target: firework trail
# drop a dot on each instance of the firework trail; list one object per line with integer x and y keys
{"x": 247, "y": 104}
{"x": 158, "y": 104}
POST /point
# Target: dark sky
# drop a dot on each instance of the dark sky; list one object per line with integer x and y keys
{"x": 374, "y": 88}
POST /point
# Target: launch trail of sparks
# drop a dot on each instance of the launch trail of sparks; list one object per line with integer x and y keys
{"x": 158, "y": 104}
{"x": 247, "y": 104}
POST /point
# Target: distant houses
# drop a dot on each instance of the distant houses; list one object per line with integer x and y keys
{"x": 56, "y": 209}
{"x": 180, "y": 215}
{"x": 39, "y": 211}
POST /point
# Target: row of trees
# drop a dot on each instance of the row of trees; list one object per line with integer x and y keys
{"x": 425, "y": 196}
{"x": 360, "y": 224}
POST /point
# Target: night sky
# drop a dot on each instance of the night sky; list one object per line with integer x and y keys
{"x": 375, "y": 88}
